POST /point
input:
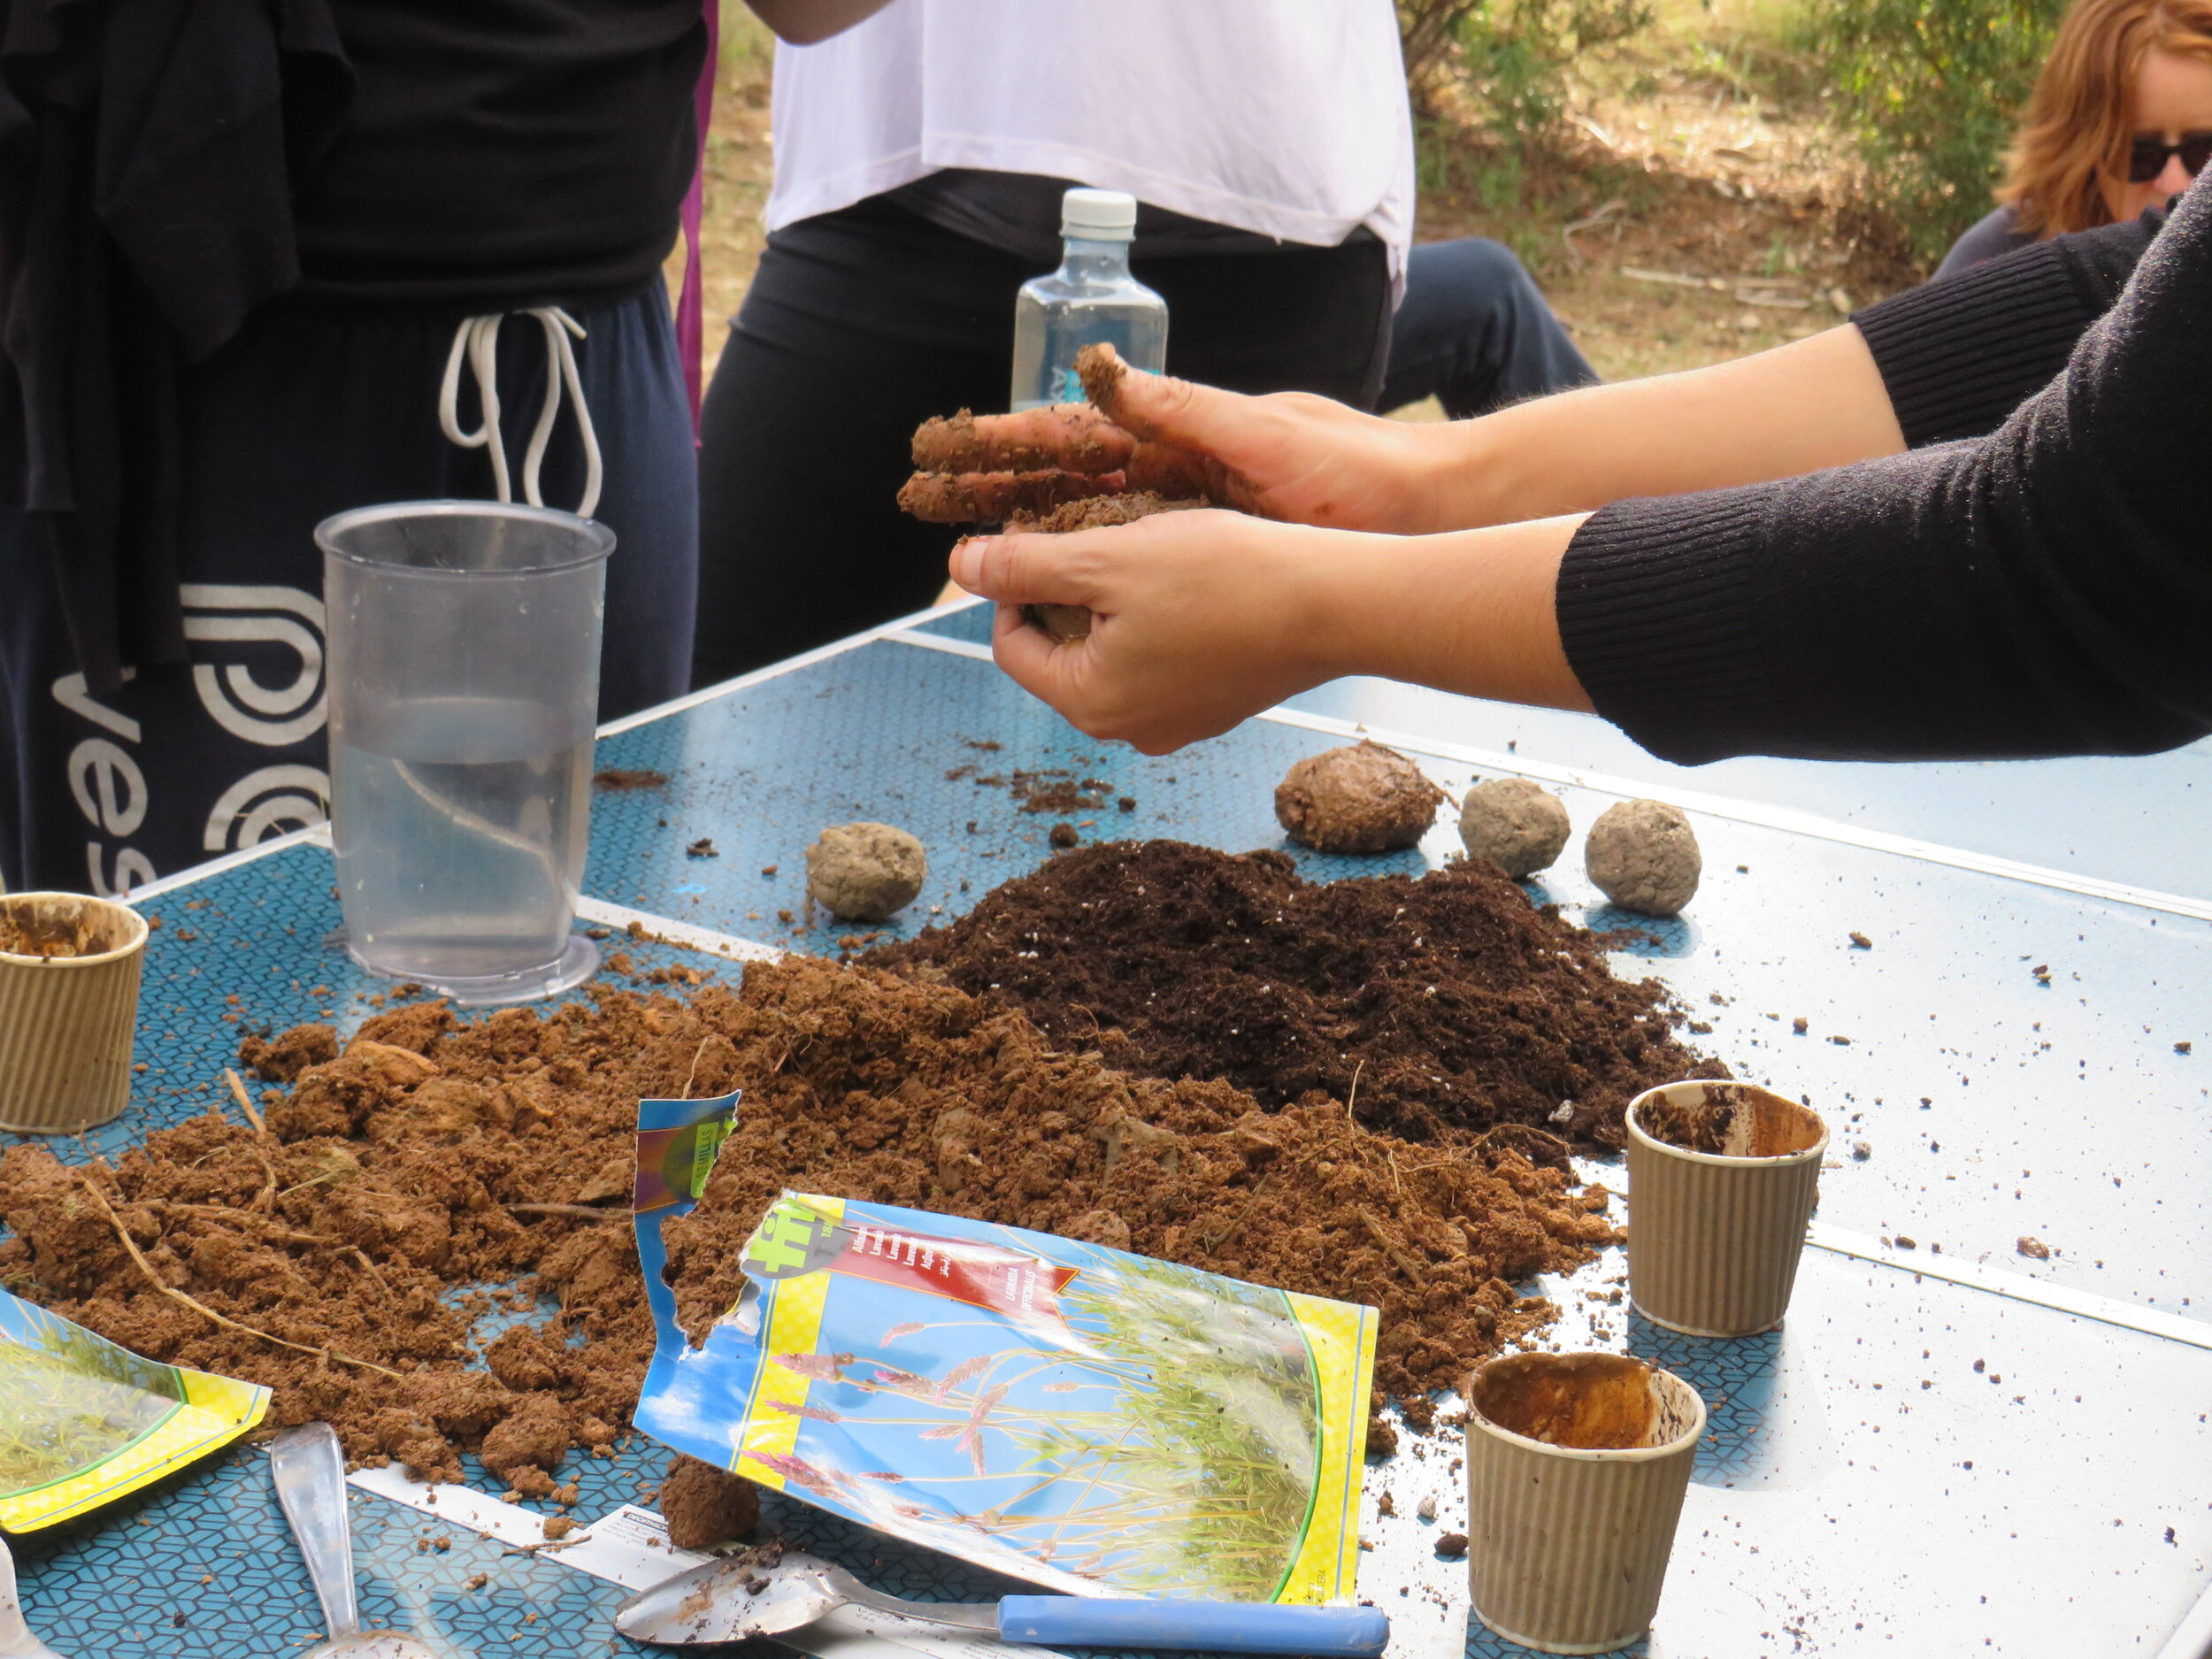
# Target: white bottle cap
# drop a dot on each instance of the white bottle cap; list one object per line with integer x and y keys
{"x": 1098, "y": 215}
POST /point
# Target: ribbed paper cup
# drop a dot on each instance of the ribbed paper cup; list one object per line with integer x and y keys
{"x": 1575, "y": 1467}
{"x": 1721, "y": 1177}
{"x": 69, "y": 969}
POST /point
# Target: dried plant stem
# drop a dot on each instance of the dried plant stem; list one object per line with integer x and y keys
{"x": 361, "y": 1256}
{"x": 1564, "y": 1149}
{"x": 265, "y": 1199}
{"x": 1406, "y": 1263}
{"x": 245, "y": 1103}
{"x": 201, "y": 1308}
{"x": 694, "y": 1072}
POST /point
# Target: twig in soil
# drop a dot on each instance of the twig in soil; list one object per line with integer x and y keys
{"x": 201, "y": 1308}
{"x": 1564, "y": 1149}
{"x": 1407, "y": 1265}
{"x": 238, "y": 1090}
{"x": 232, "y": 1212}
{"x": 694, "y": 1072}
{"x": 582, "y": 1212}
{"x": 361, "y": 1256}
{"x": 1229, "y": 1231}
{"x": 1351, "y": 1097}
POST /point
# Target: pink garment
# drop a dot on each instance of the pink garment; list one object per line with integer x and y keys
{"x": 691, "y": 302}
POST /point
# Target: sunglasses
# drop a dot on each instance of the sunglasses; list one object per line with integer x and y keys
{"x": 2146, "y": 157}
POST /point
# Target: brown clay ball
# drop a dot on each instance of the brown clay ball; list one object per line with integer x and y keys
{"x": 862, "y": 873}
{"x": 1362, "y": 799}
{"x": 1516, "y": 826}
{"x": 1643, "y": 856}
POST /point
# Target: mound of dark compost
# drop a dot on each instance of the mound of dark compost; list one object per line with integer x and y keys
{"x": 1456, "y": 1004}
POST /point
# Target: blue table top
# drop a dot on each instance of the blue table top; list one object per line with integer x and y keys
{"x": 1864, "y": 1488}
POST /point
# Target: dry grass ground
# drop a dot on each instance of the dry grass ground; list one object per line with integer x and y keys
{"x": 1698, "y": 205}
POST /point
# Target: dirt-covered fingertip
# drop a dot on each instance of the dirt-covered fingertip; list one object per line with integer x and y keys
{"x": 965, "y": 562}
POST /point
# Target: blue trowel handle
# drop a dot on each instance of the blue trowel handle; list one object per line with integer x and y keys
{"x": 1079, "y": 1621}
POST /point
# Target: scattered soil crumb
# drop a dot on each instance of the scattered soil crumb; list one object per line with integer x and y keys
{"x": 1452, "y": 1546}
{"x": 618, "y": 780}
{"x": 1382, "y": 1437}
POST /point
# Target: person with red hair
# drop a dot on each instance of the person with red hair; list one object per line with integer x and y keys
{"x": 2120, "y": 120}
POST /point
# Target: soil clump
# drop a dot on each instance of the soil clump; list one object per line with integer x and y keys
{"x": 1455, "y": 1004}
{"x": 705, "y": 1506}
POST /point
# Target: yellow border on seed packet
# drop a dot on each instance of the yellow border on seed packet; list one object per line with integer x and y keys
{"x": 792, "y": 1322}
{"x": 215, "y": 1411}
{"x": 1340, "y": 1338}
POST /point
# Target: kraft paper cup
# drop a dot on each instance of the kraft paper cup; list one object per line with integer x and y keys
{"x": 1575, "y": 1467}
{"x": 1716, "y": 1226}
{"x": 69, "y": 968}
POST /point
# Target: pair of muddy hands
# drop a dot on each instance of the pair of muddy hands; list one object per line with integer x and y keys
{"x": 1063, "y": 467}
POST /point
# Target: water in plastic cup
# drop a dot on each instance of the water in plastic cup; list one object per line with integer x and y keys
{"x": 464, "y": 679}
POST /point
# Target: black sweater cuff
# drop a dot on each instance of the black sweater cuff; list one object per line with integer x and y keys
{"x": 1957, "y": 357}
{"x": 1653, "y": 610}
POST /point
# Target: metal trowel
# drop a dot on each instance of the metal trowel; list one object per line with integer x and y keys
{"x": 735, "y": 1598}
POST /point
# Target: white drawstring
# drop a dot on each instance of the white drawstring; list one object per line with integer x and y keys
{"x": 478, "y": 337}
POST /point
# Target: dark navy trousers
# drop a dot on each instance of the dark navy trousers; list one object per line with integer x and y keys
{"x": 310, "y": 411}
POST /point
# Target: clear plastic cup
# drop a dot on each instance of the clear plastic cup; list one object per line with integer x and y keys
{"x": 464, "y": 641}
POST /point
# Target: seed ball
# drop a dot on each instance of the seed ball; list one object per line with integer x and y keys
{"x": 1643, "y": 858}
{"x": 862, "y": 873}
{"x": 1516, "y": 826}
{"x": 1363, "y": 799}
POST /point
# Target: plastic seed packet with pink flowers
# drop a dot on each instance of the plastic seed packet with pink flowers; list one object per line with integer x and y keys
{"x": 1096, "y": 1422}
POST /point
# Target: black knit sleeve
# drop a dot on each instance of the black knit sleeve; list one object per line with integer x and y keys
{"x": 1959, "y": 355}
{"x": 2045, "y": 589}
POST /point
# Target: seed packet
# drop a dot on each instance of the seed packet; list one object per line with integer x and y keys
{"x": 83, "y": 1421}
{"x": 1100, "y": 1423}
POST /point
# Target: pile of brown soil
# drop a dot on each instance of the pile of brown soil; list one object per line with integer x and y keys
{"x": 322, "y": 1254}
{"x": 1455, "y": 1002}
{"x": 861, "y": 1084}
{"x": 427, "y": 1156}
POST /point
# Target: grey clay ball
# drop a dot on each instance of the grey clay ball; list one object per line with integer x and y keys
{"x": 1516, "y": 826}
{"x": 862, "y": 873}
{"x": 1644, "y": 857}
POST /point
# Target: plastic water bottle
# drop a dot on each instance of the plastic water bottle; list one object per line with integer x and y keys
{"x": 1090, "y": 300}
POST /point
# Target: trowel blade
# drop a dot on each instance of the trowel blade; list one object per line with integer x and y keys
{"x": 717, "y": 1601}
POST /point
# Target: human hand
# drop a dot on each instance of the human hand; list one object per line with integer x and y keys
{"x": 1289, "y": 456}
{"x": 1199, "y": 619}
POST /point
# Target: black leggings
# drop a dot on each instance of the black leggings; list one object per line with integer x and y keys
{"x": 862, "y": 323}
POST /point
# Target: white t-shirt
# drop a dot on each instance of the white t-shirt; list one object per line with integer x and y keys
{"x": 1286, "y": 117}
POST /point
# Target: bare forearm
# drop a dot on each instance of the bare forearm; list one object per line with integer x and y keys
{"x": 1471, "y": 611}
{"x": 1813, "y": 404}
{"x": 805, "y": 22}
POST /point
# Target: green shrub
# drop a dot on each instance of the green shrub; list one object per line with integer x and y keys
{"x": 1515, "y": 53}
{"x": 1931, "y": 89}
